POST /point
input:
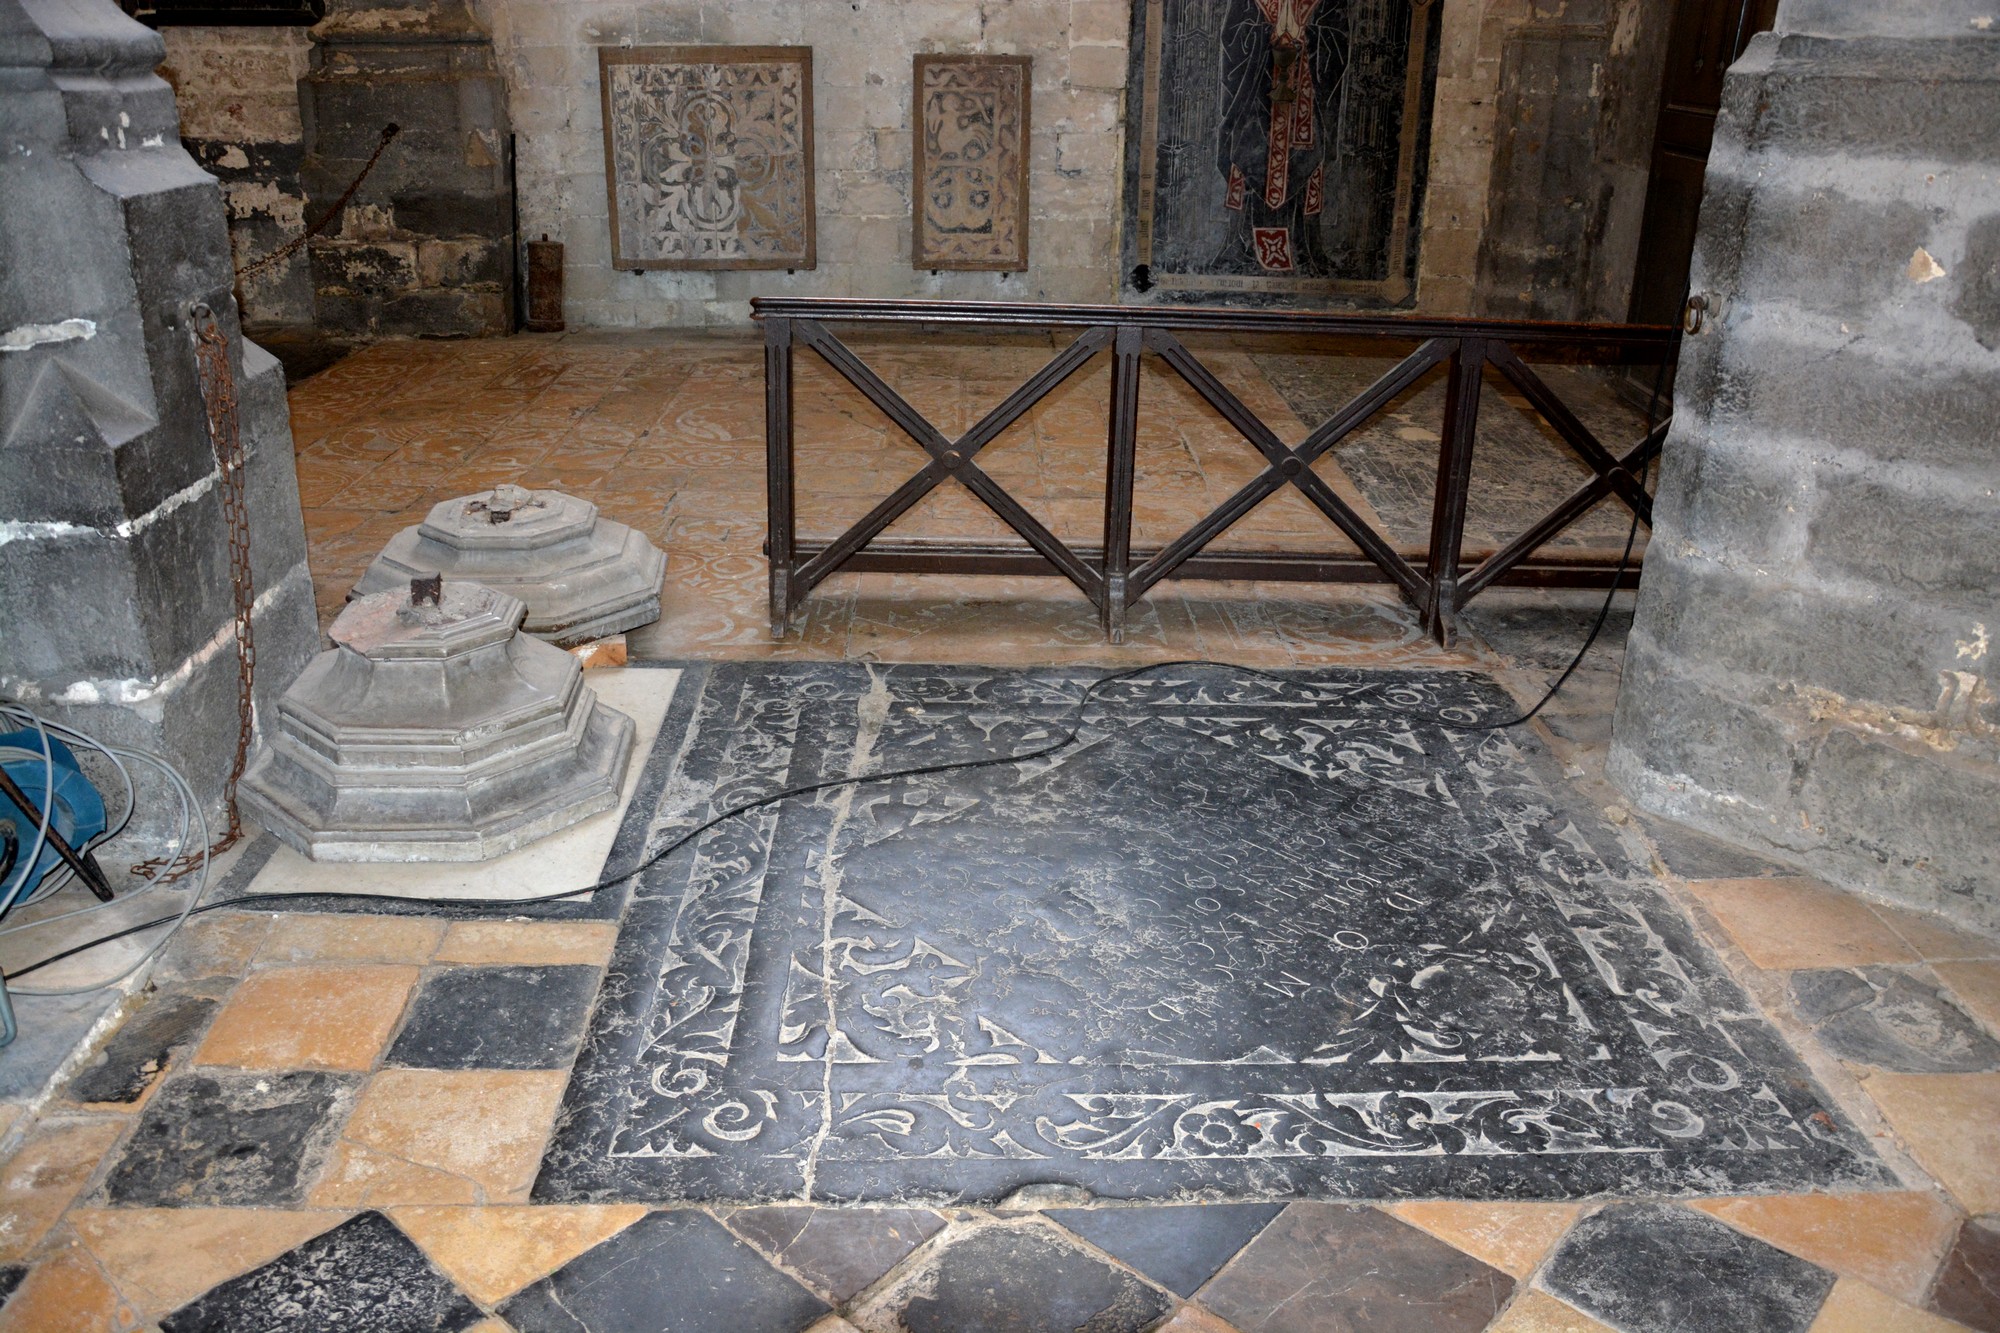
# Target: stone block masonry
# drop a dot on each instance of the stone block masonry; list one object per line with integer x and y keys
{"x": 115, "y": 610}
{"x": 1811, "y": 669}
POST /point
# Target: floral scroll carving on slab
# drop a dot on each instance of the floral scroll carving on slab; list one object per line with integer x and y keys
{"x": 970, "y": 183}
{"x": 708, "y": 158}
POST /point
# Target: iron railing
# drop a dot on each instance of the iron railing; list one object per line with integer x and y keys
{"x": 1115, "y": 576}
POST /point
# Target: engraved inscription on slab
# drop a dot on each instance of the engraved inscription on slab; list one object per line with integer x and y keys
{"x": 1245, "y": 938}
{"x": 708, "y": 156}
{"x": 970, "y": 191}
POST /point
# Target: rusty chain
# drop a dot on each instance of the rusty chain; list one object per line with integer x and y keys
{"x": 292, "y": 247}
{"x": 218, "y": 398}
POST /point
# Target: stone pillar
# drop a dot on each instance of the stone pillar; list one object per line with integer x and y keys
{"x": 115, "y": 594}
{"x": 427, "y": 244}
{"x": 1811, "y": 668}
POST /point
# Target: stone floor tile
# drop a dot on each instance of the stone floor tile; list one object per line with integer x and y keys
{"x": 1976, "y": 986}
{"x": 839, "y": 1251}
{"x": 363, "y": 1275}
{"x": 1891, "y": 1019}
{"x": 1179, "y": 1247}
{"x": 531, "y": 942}
{"x": 496, "y": 1018}
{"x": 1013, "y": 1278}
{"x": 678, "y": 1272}
{"x": 50, "y": 1169}
{"x": 231, "y": 1139}
{"x": 350, "y": 937}
{"x": 1661, "y": 1268}
{"x": 127, "y": 1066}
{"x": 1951, "y": 1122}
{"x": 10, "y": 1278}
{"x": 492, "y": 1324}
{"x": 1536, "y": 1312}
{"x": 1937, "y": 940}
{"x": 1788, "y": 923}
{"x": 218, "y": 945}
{"x": 162, "y": 1258}
{"x": 1968, "y": 1284}
{"x": 318, "y": 1017}
{"x": 1513, "y": 1237}
{"x": 65, "y": 1293}
{"x": 1194, "y": 1319}
{"x": 1892, "y": 1239}
{"x": 1692, "y": 855}
{"x": 486, "y": 1128}
{"x": 1322, "y": 1265}
{"x": 1856, "y": 1307}
{"x": 491, "y": 1253}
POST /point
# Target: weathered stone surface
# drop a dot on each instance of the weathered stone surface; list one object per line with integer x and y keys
{"x": 1019, "y": 1278}
{"x": 138, "y": 1053}
{"x": 1889, "y": 1019}
{"x": 838, "y": 1250}
{"x": 1810, "y": 669}
{"x": 435, "y": 733}
{"x": 1178, "y": 1247}
{"x": 496, "y": 1018}
{"x": 582, "y": 576}
{"x": 1968, "y": 1286}
{"x": 229, "y": 1138}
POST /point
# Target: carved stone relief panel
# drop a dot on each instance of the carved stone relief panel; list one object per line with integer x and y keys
{"x": 969, "y": 188}
{"x": 708, "y": 157}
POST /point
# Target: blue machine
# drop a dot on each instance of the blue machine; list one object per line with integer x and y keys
{"x": 75, "y": 809}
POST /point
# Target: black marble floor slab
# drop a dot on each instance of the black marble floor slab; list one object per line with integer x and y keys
{"x": 496, "y": 1018}
{"x": 1246, "y": 940}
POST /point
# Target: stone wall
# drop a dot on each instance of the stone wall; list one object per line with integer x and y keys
{"x": 238, "y": 94}
{"x": 1811, "y": 669}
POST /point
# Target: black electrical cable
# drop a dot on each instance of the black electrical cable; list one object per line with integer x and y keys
{"x": 992, "y": 761}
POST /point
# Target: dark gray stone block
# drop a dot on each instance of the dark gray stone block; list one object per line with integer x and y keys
{"x": 496, "y": 1018}
{"x": 1323, "y": 1266}
{"x": 839, "y": 1251}
{"x": 677, "y": 1272}
{"x": 1892, "y": 1020}
{"x": 1662, "y": 1268}
{"x": 1025, "y": 1281}
{"x": 10, "y": 1278}
{"x": 363, "y": 1276}
{"x": 1178, "y": 1247}
{"x": 139, "y": 1052}
{"x": 231, "y": 1139}
{"x": 1967, "y": 1287}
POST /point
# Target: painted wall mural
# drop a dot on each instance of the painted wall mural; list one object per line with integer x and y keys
{"x": 1280, "y": 148}
{"x": 708, "y": 157}
{"x": 969, "y": 120}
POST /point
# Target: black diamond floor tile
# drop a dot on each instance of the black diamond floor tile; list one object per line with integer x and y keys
{"x": 1179, "y": 1247}
{"x": 138, "y": 1052}
{"x": 838, "y": 1250}
{"x": 363, "y": 1275}
{"x": 670, "y": 1272}
{"x": 1246, "y": 939}
{"x": 1661, "y": 1268}
{"x": 1892, "y": 1020}
{"x": 1023, "y": 1279}
{"x": 1330, "y": 1266}
{"x": 10, "y": 1278}
{"x": 226, "y": 1137}
{"x": 1968, "y": 1285}
{"x": 496, "y": 1018}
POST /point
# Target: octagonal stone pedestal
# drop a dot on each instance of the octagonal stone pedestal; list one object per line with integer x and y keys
{"x": 435, "y": 733}
{"x": 582, "y": 576}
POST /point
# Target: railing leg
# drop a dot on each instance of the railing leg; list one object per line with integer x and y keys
{"x": 1454, "y": 483}
{"x": 781, "y": 542}
{"x": 1121, "y": 450}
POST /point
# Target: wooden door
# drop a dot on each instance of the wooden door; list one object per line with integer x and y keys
{"x": 1706, "y": 38}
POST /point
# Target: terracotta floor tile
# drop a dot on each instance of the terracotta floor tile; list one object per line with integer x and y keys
{"x": 1893, "y": 1240}
{"x": 1937, "y": 940}
{"x": 1513, "y": 1237}
{"x": 491, "y": 1253}
{"x": 162, "y": 1258}
{"x": 1194, "y": 1319}
{"x": 1977, "y": 988}
{"x": 1856, "y": 1307}
{"x": 532, "y": 942}
{"x": 478, "y": 1132}
{"x": 321, "y": 1017}
{"x": 66, "y": 1293}
{"x": 45, "y": 1174}
{"x": 1536, "y": 1312}
{"x": 1792, "y": 923}
{"x": 306, "y": 937}
{"x": 1951, "y": 1123}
